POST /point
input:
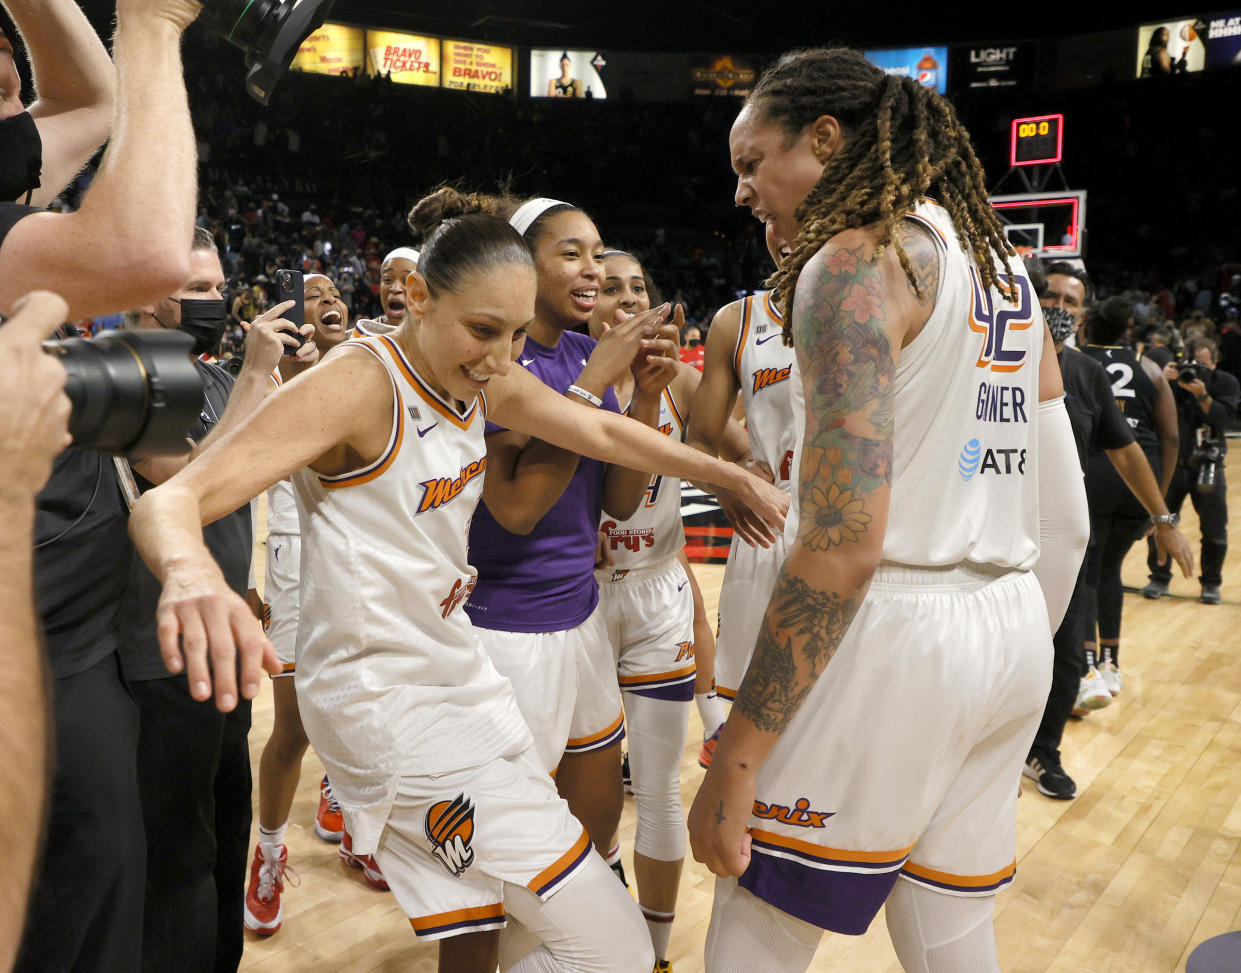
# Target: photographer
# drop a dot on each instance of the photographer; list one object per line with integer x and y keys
{"x": 126, "y": 245}
{"x": 1206, "y": 405}
{"x": 34, "y": 414}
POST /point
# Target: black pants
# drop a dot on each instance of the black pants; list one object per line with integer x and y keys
{"x": 1212, "y": 511}
{"x": 85, "y": 911}
{"x": 194, "y": 777}
{"x": 1066, "y": 671}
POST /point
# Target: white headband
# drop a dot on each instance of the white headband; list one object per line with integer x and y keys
{"x": 402, "y": 253}
{"x": 525, "y": 216}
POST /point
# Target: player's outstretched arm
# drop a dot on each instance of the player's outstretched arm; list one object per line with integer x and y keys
{"x": 848, "y": 324}
{"x": 521, "y": 402}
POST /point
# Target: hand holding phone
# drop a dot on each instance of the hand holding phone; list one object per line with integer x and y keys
{"x": 291, "y": 286}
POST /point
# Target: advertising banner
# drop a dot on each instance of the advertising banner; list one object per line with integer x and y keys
{"x": 332, "y": 49}
{"x": 556, "y": 73}
{"x": 726, "y": 74}
{"x": 1224, "y": 40}
{"x": 1009, "y": 66}
{"x": 928, "y": 64}
{"x": 407, "y": 58}
{"x": 471, "y": 66}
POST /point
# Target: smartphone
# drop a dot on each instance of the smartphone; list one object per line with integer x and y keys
{"x": 290, "y": 286}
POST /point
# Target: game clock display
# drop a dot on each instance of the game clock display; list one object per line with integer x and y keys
{"x": 1036, "y": 141}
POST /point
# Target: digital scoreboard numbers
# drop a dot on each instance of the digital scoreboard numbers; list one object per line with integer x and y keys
{"x": 1037, "y": 141}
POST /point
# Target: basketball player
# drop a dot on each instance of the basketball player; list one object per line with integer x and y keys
{"x": 1117, "y": 517}
{"x": 423, "y": 741}
{"x": 281, "y": 763}
{"x": 534, "y": 536}
{"x": 396, "y": 267}
{"x": 745, "y": 353}
{"x": 904, "y": 659}
{"x": 647, "y": 603}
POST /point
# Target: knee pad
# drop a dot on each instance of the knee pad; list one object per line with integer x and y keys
{"x": 657, "y": 730}
{"x": 934, "y": 932}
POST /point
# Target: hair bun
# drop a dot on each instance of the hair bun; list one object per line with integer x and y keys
{"x": 444, "y": 203}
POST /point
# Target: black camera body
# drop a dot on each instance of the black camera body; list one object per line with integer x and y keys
{"x": 1191, "y": 372}
{"x": 269, "y": 31}
{"x": 133, "y": 393}
{"x": 1206, "y": 459}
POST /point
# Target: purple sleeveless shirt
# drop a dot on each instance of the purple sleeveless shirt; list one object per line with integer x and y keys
{"x": 543, "y": 581}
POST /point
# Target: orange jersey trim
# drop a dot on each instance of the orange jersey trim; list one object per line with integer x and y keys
{"x": 425, "y": 392}
{"x": 658, "y": 676}
{"x": 672, "y": 404}
{"x": 595, "y": 737}
{"x": 836, "y": 854}
{"x": 425, "y": 924}
{"x": 960, "y": 881}
{"x": 380, "y": 465}
{"x": 565, "y": 861}
{"x": 772, "y": 308}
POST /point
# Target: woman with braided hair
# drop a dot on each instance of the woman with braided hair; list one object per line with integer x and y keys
{"x": 875, "y": 748}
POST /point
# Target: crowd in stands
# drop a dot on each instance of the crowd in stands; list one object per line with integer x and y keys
{"x": 322, "y": 178}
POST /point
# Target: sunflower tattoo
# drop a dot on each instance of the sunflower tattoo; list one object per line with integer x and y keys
{"x": 838, "y": 517}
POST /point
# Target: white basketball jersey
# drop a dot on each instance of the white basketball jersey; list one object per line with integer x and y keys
{"x": 965, "y": 439}
{"x": 655, "y": 532}
{"x": 965, "y": 443}
{"x": 391, "y": 678}
{"x": 762, "y": 362}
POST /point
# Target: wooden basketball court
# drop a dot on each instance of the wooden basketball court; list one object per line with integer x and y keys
{"x": 1128, "y": 878}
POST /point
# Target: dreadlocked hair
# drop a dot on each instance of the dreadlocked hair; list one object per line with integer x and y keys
{"x": 902, "y": 143}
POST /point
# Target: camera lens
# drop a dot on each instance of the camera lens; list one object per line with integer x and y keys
{"x": 135, "y": 393}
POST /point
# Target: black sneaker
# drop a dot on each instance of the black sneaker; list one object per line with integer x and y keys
{"x": 1051, "y": 778}
{"x": 1210, "y": 594}
{"x": 1155, "y": 590}
{"x": 626, "y": 776}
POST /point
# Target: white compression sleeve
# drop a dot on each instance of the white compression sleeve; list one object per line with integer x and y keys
{"x": 1063, "y": 517}
{"x": 934, "y": 932}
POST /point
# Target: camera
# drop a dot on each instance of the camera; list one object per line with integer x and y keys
{"x": 1191, "y": 372}
{"x": 269, "y": 31}
{"x": 135, "y": 394}
{"x": 1205, "y": 458}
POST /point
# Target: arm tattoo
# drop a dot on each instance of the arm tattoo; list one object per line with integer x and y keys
{"x": 810, "y": 623}
{"x": 839, "y": 321}
{"x": 923, "y": 258}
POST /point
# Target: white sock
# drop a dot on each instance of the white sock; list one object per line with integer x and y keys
{"x": 270, "y": 841}
{"x": 711, "y": 710}
{"x": 660, "y": 925}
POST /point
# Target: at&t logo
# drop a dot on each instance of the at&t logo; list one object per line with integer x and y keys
{"x": 975, "y": 460}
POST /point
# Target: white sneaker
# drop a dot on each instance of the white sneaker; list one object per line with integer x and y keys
{"x": 1093, "y": 692}
{"x": 1113, "y": 679}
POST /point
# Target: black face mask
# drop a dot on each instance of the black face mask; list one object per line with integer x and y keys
{"x": 21, "y": 158}
{"x": 204, "y": 321}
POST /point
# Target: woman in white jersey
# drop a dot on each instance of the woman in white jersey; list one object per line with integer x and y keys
{"x": 647, "y": 600}
{"x": 281, "y": 762}
{"x": 875, "y": 747}
{"x": 745, "y": 355}
{"x": 422, "y": 738}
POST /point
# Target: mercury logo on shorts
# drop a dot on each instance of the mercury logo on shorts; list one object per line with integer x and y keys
{"x": 974, "y": 459}
{"x": 450, "y": 827}
{"x": 799, "y": 815}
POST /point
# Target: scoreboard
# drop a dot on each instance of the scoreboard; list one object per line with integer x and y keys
{"x": 1036, "y": 141}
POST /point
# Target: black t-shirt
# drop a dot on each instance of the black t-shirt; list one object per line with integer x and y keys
{"x": 1097, "y": 423}
{"x": 1132, "y": 388}
{"x": 229, "y": 539}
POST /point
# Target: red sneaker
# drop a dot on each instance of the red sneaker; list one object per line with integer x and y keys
{"x": 329, "y": 822}
{"x": 370, "y": 869}
{"x": 708, "y": 749}
{"x": 264, "y": 912}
